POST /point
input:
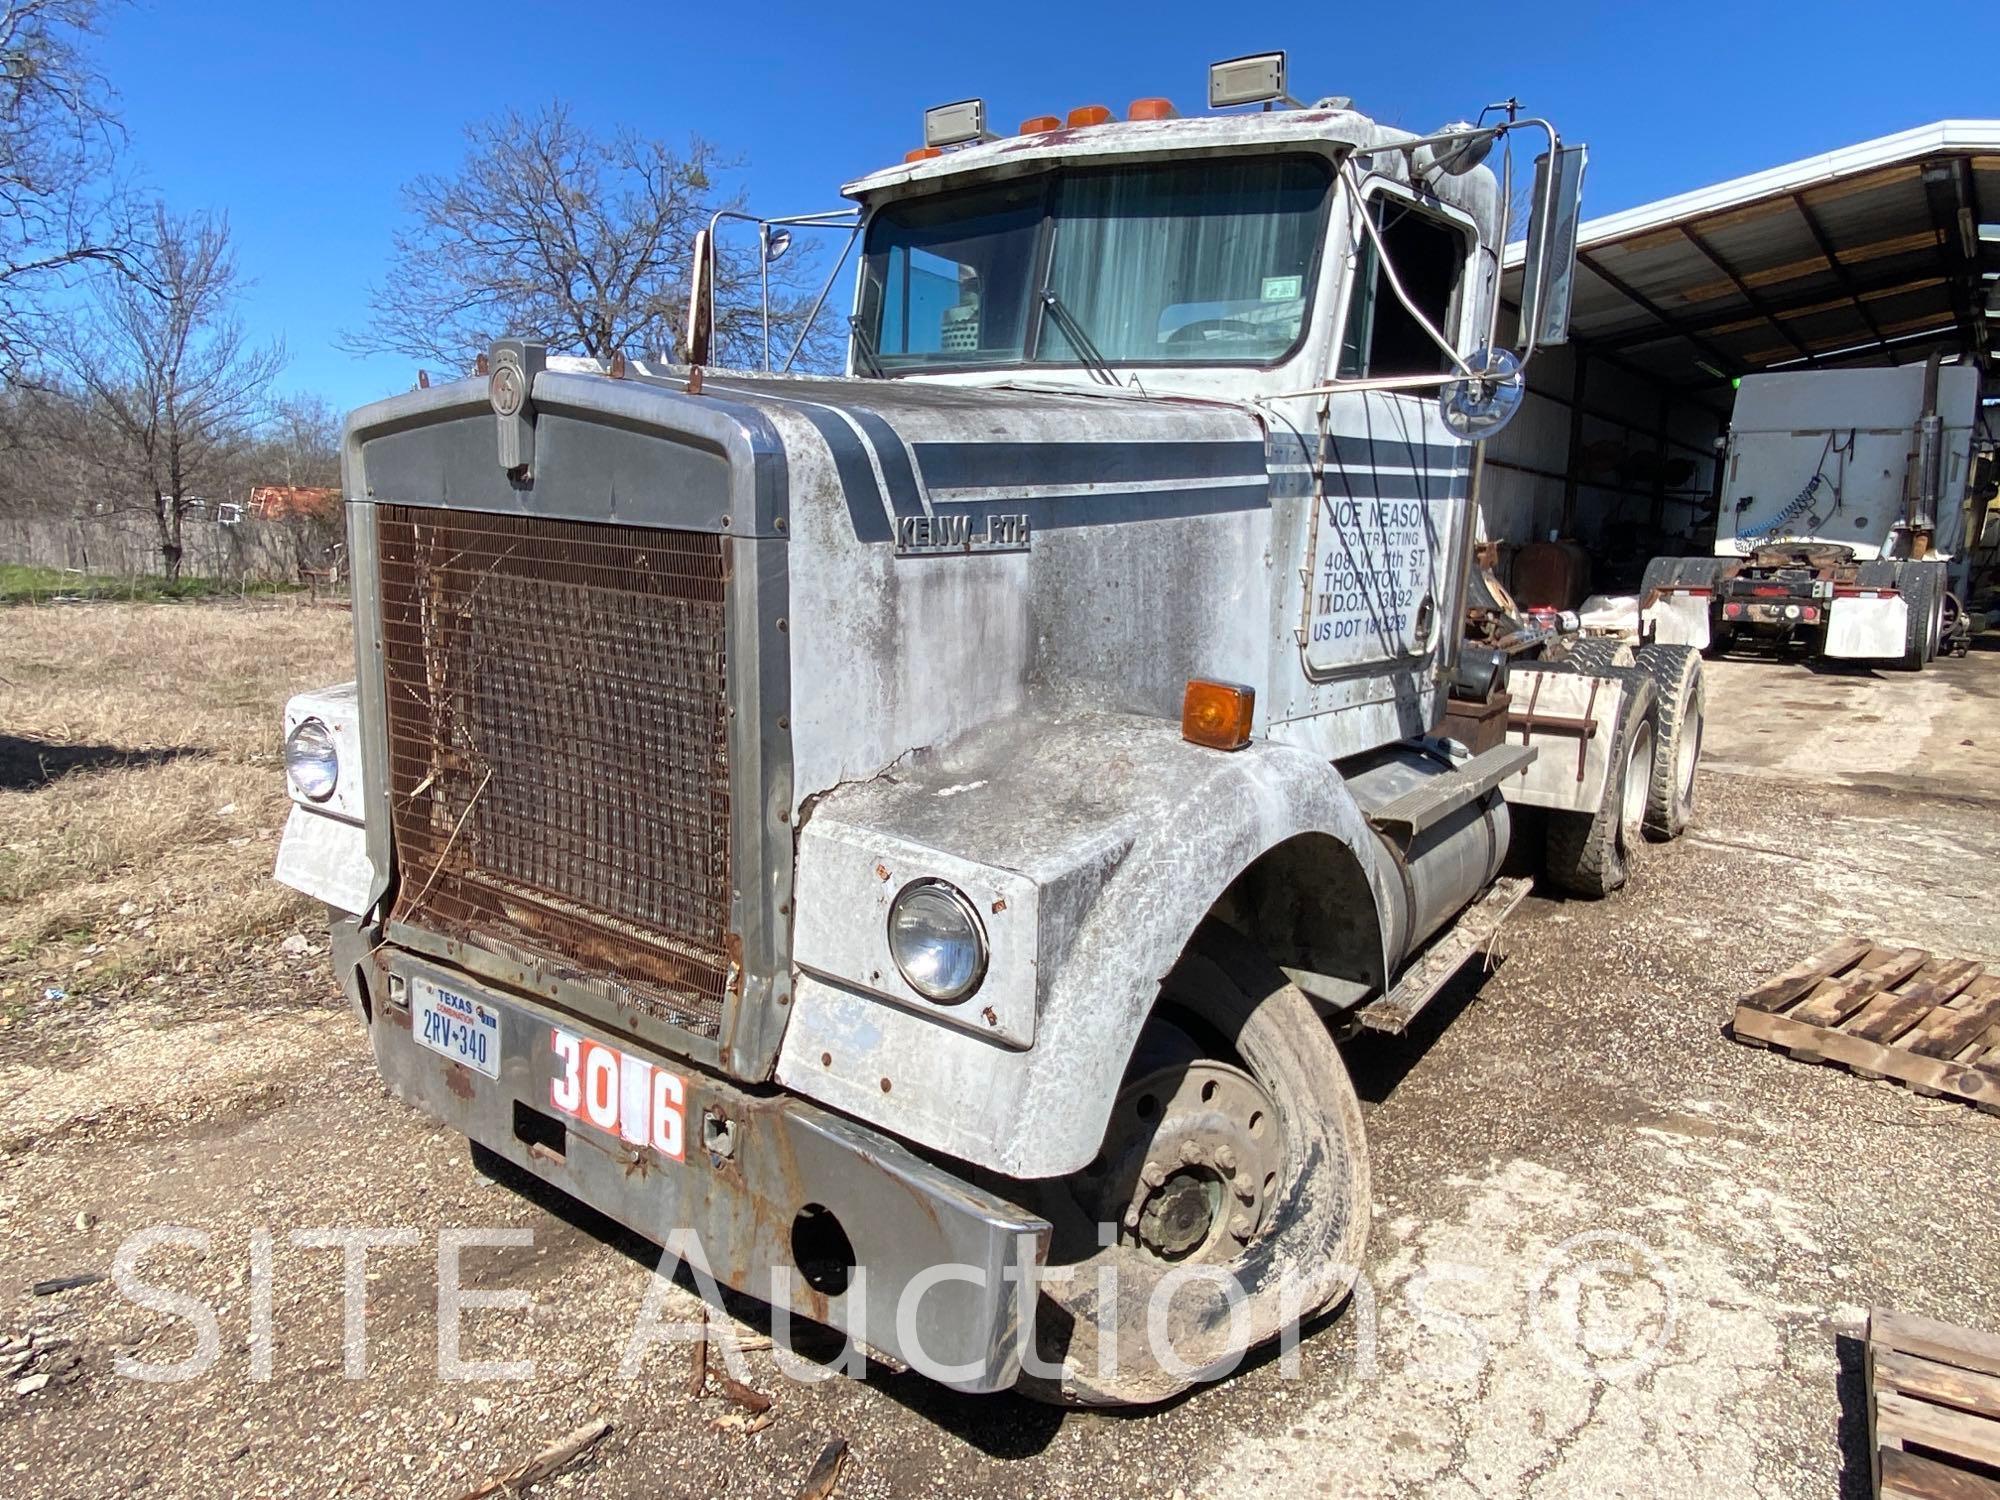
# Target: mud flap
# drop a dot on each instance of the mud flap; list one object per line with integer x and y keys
{"x": 1867, "y": 629}
{"x": 1678, "y": 619}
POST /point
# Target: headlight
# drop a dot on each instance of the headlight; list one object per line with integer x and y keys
{"x": 310, "y": 761}
{"x": 937, "y": 941}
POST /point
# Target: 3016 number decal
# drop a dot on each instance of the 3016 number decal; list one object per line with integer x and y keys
{"x": 626, "y": 1096}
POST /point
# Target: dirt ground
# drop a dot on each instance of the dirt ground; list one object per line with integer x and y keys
{"x": 174, "y": 1054}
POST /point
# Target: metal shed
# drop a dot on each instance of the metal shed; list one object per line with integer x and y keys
{"x": 1876, "y": 253}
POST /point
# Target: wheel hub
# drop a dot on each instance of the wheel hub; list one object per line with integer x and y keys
{"x": 1180, "y": 1216}
{"x": 1191, "y": 1163}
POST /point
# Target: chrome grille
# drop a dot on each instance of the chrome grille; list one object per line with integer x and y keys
{"x": 558, "y": 745}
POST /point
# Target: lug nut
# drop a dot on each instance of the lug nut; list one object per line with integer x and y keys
{"x": 1225, "y": 1159}
{"x": 1190, "y": 1152}
{"x": 1240, "y": 1226}
{"x": 1153, "y": 1174}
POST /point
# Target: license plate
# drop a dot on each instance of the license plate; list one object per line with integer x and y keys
{"x": 455, "y": 1026}
{"x": 640, "y": 1102}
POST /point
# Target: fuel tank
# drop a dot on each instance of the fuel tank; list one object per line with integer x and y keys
{"x": 1447, "y": 865}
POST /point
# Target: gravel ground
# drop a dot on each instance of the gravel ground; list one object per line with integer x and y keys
{"x": 1579, "y": 1107}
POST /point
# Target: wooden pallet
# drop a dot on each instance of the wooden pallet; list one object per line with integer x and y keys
{"x": 1933, "y": 1408}
{"x": 1931, "y": 1024}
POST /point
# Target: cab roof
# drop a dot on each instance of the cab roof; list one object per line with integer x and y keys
{"x": 1321, "y": 125}
{"x": 1327, "y": 126}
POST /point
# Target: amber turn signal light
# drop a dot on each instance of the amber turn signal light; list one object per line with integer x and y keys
{"x": 1217, "y": 714}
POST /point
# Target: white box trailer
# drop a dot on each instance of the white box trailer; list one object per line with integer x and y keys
{"x": 1843, "y": 499}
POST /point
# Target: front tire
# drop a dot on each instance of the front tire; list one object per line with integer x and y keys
{"x": 1235, "y": 1149}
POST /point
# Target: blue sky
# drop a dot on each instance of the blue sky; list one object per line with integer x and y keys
{"x": 302, "y": 119}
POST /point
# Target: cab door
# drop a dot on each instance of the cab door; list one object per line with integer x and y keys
{"x": 1389, "y": 478}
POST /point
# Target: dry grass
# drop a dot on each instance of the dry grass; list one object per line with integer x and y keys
{"x": 141, "y": 797}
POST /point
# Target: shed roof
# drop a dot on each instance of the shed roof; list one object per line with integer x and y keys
{"x": 1873, "y": 254}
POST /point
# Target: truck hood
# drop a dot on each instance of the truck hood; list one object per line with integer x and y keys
{"x": 905, "y": 449}
{"x": 742, "y": 448}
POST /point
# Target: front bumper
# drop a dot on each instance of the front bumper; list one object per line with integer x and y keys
{"x": 939, "y": 1266}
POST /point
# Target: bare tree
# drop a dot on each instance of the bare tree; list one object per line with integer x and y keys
{"x": 59, "y": 214}
{"x": 167, "y": 362}
{"x": 550, "y": 232}
{"x": 50, "y": 438}
{"x": 301, "y": 445}
{"x": 302, "y": 441}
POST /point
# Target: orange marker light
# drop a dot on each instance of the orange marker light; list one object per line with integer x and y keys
{"x": 923, "y": 153}
{"x": 1036, "y": 124}
{"x": 1089, "y": 114}
{"x": 1217, "y": 714}
{"x": 1152, "y": 109}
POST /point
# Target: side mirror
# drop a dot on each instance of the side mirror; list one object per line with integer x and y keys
{"x": 1548, "y": 276}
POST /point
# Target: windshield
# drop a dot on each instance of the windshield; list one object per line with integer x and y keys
{"x": 1189, "y": 262}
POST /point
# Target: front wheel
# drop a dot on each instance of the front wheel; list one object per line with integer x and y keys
{"x": 1230, "y": 1196}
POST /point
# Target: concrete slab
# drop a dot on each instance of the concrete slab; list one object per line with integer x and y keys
{"x": 1860, "y": 726}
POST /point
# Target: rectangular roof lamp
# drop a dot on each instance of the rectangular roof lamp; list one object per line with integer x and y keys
{"x": 1257, "y": 79}
{"x": 955, "y": 124}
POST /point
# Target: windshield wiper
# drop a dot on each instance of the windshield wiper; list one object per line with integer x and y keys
{"x": 1093, "y": 359}
{"x": 866, "y": 347}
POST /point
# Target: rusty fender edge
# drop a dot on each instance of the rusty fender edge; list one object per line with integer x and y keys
{"x": 752, "y": 1162}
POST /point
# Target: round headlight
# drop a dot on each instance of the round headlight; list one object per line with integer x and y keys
{"x": 310, "y": 760}
{"x": 936, "y": 940}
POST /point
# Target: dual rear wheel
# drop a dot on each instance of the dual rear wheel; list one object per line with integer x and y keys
{"x": 1649, "y": 783}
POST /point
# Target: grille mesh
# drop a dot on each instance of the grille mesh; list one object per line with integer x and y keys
{"x": 558, "y": 745}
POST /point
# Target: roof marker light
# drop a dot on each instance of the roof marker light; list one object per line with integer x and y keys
{"x": 1088, "y": 114}
{"x": 955, "y": 124}
{"x": 1036, "y": 124}
{"x": 922, "y": 153}
{"x": 1152, "y": 109}
{"x": 1257, "y": 79}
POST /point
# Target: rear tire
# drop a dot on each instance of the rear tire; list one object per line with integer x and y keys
{"x": 1594, "y": 653}
{"x": 1292, "y": 1239}
{"x": 1588, "y": 852}
{"x": 1918, "y": 582}
{"x": 1679, "y": 700}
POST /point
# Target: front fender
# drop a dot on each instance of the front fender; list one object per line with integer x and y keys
{"x": 1093, "y": 846}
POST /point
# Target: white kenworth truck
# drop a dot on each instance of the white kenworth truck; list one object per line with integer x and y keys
{"x": 913, "y": 841}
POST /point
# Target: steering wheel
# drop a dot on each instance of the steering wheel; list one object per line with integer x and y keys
{"x": 1187, "y": 333}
